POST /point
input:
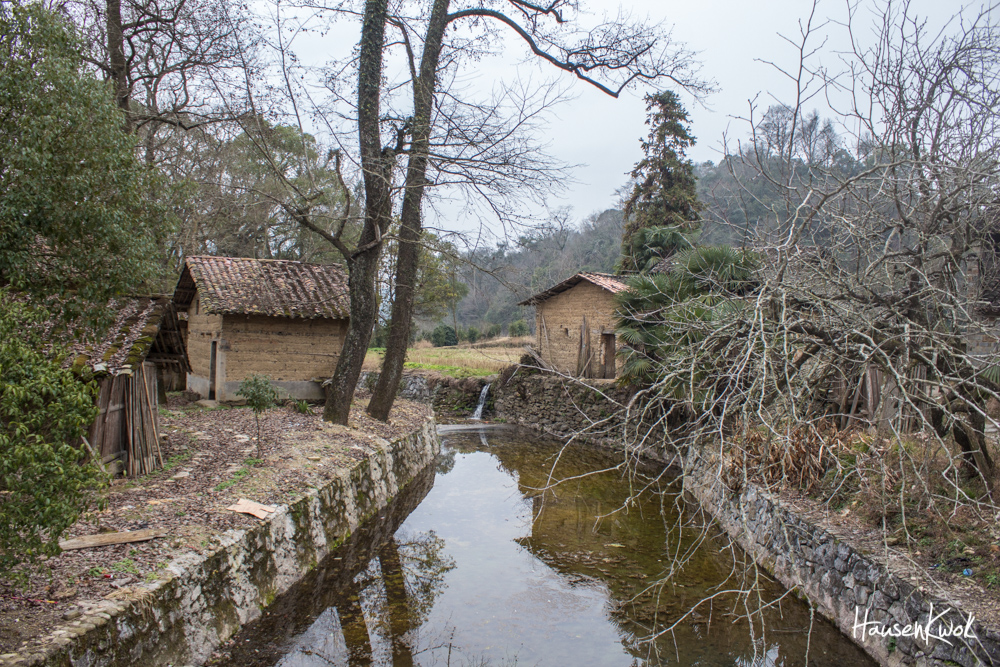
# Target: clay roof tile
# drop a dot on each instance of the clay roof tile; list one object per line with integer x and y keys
{"x": 275, "y": 287}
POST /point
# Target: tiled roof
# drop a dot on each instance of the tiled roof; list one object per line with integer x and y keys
{"x": 611, "y": 283}
{"x": 277, "y": 287}
{"x": 145, "y": 327}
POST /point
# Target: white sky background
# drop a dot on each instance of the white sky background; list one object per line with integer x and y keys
{"x": 602, "y": 134}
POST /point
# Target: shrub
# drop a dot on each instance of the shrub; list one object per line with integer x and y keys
{"x": 443, "y": 335}
{"x": 472, "y": 334}
{"x": 45, "y": 485}
{"x": 260, "y": 395}
{"x": 494, "y": 331}
{"x": 518, "y": 328}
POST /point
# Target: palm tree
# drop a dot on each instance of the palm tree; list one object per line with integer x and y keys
{"x": 664, "y": 316}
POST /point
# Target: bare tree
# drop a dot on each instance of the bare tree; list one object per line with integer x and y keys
{"x": 161, "y": 54}
{"x": 611, "y": 57}
{"x": 851, "y": 362}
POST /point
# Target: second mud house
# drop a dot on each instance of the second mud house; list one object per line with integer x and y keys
{"x": 284, "y": 319}
{"x": 575, "y": 324}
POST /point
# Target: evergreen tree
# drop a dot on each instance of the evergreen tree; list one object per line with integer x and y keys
{"x": 665, "y": 190}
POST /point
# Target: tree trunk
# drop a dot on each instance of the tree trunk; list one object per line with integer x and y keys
{"x": 116, "y": 59}
{"x": 354, "y": 627}
{"x": 362, "y": 265}
{"x": 407, "y": 262}
{"x": 398, "y": 604}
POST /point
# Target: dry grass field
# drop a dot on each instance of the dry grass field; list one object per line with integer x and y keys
{"x": 484, "y": 358}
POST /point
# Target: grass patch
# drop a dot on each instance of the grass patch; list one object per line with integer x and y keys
{"x": 237, "y": 477}
{"x": 125, "y": 566}
{"x": 453, "y": 371}
{"x": 458, "y": 361}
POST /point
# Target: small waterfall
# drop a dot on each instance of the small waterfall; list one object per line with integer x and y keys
{"x": 478, "y": 414}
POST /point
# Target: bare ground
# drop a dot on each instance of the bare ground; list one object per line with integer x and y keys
{"x": 211, "y": 460}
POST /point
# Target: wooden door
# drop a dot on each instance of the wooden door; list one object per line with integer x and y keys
{"x": 608, "y": 346}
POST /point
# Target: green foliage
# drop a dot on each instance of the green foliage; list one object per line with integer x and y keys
{"x": 663, "y": 317}
{"x": 260, "y": 395}
{"x": 493, "y": 331}
{"x": 303, "y": 408}
{"x": 471, "y": 334}
{"x": 258, "y": 391}
{"x": 439, "y": 285}
{"x": 76, "y": 225}
{"x": 518, "y": 328}
{"x": 125, "y": 566}
{"x": 44, "y": 409}
{"x": 443, "y": 335}
{"x": 648, "y": 246}
{"x": 665, "y": 191}
{"x": 534, "y": 262}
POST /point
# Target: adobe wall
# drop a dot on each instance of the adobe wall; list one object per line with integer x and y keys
{"x": 202, "y": 329}
{"x": 287, "y": 349}
{"x": 205, "y": 599}
{"x": 293, "y": 352}
{"x": 558, "y": 321}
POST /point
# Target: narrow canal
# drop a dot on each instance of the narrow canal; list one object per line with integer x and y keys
{"x": 512, "y": 551}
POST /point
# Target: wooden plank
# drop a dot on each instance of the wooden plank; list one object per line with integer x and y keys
{"x": 245, "y": 506}
{"x": 105, "y": 539}
{"x": 152, "y": 405}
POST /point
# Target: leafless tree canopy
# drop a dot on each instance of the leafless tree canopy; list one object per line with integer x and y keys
{"x": 864, "y": 358}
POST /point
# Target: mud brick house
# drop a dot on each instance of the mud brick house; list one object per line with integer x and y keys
{"x": 575, "y": 324}
{"x": 140, "y": 350}
{"x": 287, "y": 320}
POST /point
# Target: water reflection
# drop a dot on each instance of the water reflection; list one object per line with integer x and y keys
{"x": 512, "y": 559}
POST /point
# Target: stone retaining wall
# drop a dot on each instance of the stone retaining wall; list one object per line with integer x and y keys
{"x": 182, "y": 619}
{"x": 450, "y": 397}
{"x": 588, "y": 410}
{"x": 808, "y": 558}
{"x": 842, "y": 582}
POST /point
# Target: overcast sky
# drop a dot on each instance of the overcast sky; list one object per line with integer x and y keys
{"x": 602, "y": 134}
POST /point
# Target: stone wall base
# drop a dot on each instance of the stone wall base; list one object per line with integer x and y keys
{"x": 838, "y": 579}
{"x": 206, "y": 599}
{"x": 842, "y": 583}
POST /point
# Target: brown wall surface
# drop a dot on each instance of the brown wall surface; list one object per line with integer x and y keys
{"x": 202, "y": 328}
{"x": 558, "y": 321}
{"x": 284, "y": 348}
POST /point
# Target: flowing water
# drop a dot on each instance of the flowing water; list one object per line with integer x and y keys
{"x": 478, "y": 414}
{"x": 474, "y": 564}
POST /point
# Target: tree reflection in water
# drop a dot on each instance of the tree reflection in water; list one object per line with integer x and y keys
{"x": 498, "y": 566}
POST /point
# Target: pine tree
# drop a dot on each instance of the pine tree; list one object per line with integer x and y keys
{"x": 665, "y": 191}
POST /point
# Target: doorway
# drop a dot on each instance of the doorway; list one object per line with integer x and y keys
{"x": 212, "y": 370}
{"x": 608, "y": 345}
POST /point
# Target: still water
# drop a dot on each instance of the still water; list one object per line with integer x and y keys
{"x": 513, "y": 551}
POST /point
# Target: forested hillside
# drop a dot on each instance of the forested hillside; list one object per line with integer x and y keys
{"x": 738, "y": 204}
{"x": 499, "y": 278}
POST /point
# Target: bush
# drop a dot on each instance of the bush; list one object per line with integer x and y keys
{"x": 518, "y": 328}
{"x": 494, "y": 331}
{"x": 443, "y": 335}
{"x": 472, "y": 334}
{"x": 45, "y": 486}
{"x": 260, "y": 395}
